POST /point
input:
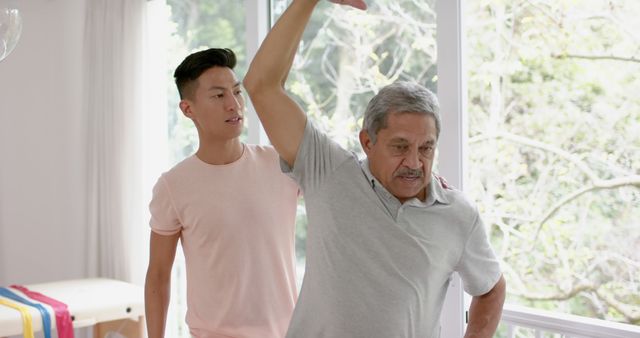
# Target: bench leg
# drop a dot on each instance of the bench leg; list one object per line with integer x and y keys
{"x": 126, "y": 327}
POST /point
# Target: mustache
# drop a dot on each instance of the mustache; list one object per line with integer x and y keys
{"x": 408, "y": 172}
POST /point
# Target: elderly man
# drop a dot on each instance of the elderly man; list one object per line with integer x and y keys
{"x": 384, "y": 237}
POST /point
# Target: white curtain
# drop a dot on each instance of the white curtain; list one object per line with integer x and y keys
{"x": 113, "y": 64}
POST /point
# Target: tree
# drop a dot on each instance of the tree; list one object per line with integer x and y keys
{"x": 554, "y": 155}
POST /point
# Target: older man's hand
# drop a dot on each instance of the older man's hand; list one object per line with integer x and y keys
{"x": 359, "y": 4}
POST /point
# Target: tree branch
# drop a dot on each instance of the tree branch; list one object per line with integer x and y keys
{"x": 633, "y": 180}
{"x": 630, "y": 312}
{"x": 596, "y": 57}
{"x": 581, "y": 287}
{"x": 597, "y": 183}
{"x": 540, "y": 145}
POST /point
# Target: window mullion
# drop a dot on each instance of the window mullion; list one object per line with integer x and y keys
{"x": 453, "y": 136}
{"x": 257, "y": 26}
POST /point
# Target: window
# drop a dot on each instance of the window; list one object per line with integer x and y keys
{"x": 554, "y": 150}
{"x": 553, "y": 124}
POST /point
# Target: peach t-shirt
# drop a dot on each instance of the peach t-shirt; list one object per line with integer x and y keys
{"x": 237, "y": 223}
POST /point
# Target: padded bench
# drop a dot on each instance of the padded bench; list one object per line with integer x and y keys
{"x": 105, "y": 304}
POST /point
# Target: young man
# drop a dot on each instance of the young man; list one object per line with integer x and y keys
{"x": 233, "y": 211}
{"x": 384, "y": 237}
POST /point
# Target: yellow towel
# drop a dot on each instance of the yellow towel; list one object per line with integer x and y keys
{"x": 27, "y": 324}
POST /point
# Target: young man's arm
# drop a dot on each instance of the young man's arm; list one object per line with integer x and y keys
{"x": 283, "y": 120}
{"x": 157, "y": 287}
{"x": 485, "y": 312}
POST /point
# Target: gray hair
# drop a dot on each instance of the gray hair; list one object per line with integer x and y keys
{"x": 399, "y": 97}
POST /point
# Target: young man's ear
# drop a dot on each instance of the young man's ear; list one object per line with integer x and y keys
{"x": 365, "y": 141}
{"x": 185, "y": 106}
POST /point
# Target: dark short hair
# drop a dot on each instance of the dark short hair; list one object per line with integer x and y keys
{"x": 197, "y": 63}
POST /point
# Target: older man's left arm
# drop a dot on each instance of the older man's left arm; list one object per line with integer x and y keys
{"x": 485, "y": 311}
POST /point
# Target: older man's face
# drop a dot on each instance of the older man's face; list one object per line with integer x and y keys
{"x": 402, "y": 156}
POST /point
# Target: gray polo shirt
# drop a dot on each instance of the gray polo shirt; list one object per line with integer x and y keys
{"x": 376, "y": 267}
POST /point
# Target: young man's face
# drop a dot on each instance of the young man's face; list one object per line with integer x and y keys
{"x": 402, "y": 157}
{"x": 216, "y": 105}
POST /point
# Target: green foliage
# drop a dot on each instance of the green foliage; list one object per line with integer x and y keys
{"x": 205, "y": 24}
{"x": 346, "y": 56}
{"x": 552, "y": 113}
{"x": 301, "y": 232}
{"x": 200, "y": 24}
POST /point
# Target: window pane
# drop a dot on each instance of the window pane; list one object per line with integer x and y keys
{"x": 554, "y": 149}
{"x": 347, "y": 55}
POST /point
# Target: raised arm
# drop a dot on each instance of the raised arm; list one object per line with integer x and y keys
{"x": 485, "y": 312}
{"x": 282, "y": 118}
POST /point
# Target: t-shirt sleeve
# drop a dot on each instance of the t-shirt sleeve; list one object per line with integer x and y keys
{"x": 318, "y": 156}
{"x": 478, "y": 267}
{"x": 164, "y": 218}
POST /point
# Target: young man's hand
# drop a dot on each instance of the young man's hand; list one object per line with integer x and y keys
{"x": 443, "y": 182}
{"x": 359, "y": 4}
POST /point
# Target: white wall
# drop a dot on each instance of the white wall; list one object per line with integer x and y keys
{"x": 42, "y": 146}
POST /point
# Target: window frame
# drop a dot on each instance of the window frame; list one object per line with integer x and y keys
{"x": 258, "y": 22}
{"x": 452, "y": 145}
